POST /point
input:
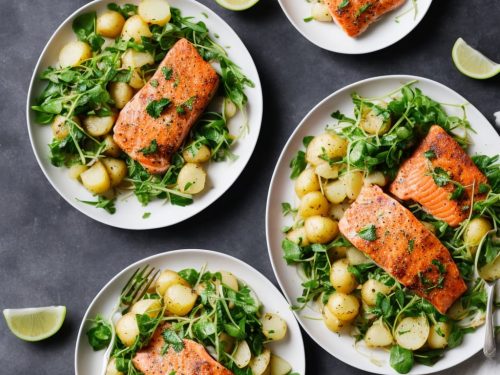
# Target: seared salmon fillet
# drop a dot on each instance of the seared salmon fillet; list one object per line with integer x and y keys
{"x": 185, "y": 80}
{"x": 354, "y": 16}
{"x": 403, "y": 247}
{"x": 192, "y": 360}
{"x": 416, "y": 178}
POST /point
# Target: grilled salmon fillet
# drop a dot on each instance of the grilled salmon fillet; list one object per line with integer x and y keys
{"x": 189, "y": 83}
{"x": 403, "y": 247}
{"x": 192, "y": 360}
{"x": 444, "y": 155}
{"x": 354, "y": 16}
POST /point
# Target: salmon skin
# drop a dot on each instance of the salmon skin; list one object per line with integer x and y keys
{"x": 192, "y": 360}
{"x": 440, "y": 152}
{"x": 403, "y": 247}
{"x": 354, "y": 16}
{"x": 189, "y": 83}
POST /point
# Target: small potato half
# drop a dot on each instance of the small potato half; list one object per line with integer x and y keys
{"x": 111, "y": 368}
{"x": 336, "y": 191}
{"x": 327, "y": 171}
{"x": 412, "y": 332}
{"x": 375, "y": 178}
{"x": 340, "y": 277}
{"x": 110, "y": 146}
{"x": 355, "y": 257}
{"x": 242, "y": 355}
{"x": 353, "y": 182}
{"x": 260, "y": 363}
{"x": 76, "y": 170}
{"x": 320, "y": 229}
{"x": 121, "y": 93}
{"x": 475, "y": 231}
{"x": 343, "y": 306}
{"x": 166, "y": 279}
{"x": 136, "y": 59}
{"x": 229, "y": 280}
{"x": 370, "y": 289}
{"x": 374, "y": 123}
{"x": 313, "y": 203}
{"x": 320, "y": 12}
{"x": 327, "y": 145}
{"x": 74, "y": 53}
{"x": 438, "y": 335}
{"x": 117, "y": 170}
{"x": 151, "y": 307}
{"x": 179, "y": 299}
{"x": 135, "y": 28}
{"x": 199, "y": 154}
{"x": 110, "y": 24}
{"x": 60, "y": 127}
{"x": 298, "y": 236}
{"x": 191, "y": 179}
{"x": 156, "y": 12}
{"x": 273, "y": 326}
{"x": 331, "y": 321}
{"x": 127, "y": 329}
{"x": 378, "y": 335}
{"x": 97, "y": 126}
{"x": 279, "y": 366}
{"x": 96, "y": 178}
{"x": 307, "y": 182}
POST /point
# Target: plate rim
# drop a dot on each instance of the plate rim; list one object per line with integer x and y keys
{"x": 331, "y": 49}
{"x": 29, "y": 98}
{"x": 281, "y": 283}
{"x": 194, "y": 252}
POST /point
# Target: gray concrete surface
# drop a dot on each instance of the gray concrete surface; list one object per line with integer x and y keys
{"x": 52, "y": 254}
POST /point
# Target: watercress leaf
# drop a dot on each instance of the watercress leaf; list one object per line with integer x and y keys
{"x": 190, "y": 275}
{"x": 401, "y": 359}
{"x": 99, "y": 334}
{"x": 292, "y": 251}
{"x": 368, "y": 233}
{"x": 298, "y": 164}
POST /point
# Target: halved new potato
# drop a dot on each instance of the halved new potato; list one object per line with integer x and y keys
{"x": 111, "y": 368}
{"x": 156, "y": 12}
{"x": 127, "y": 329}
{"x": 337, "y": 210}
{"x": 320, "y": 12}
{"x": 166, "y": 279}
{"x": 229, "y": 280}
{"x": 327, "y": 171}
{"x": 371, "y": 288}
{"x": 97, "y": 126}
{"x": 96, "y": 178}
{"x": 121, "y": 93}
{"x": 136, "y": 59}
{"x": 307, "y": 182}
{"x": 375, "y": 178}
{"x": 260, "y": 363}
{"x": 135, "y": 28}
{"x": 438, "y": 335}
{"x": 333, "y": 323}
{"x": 117, "y": 170}
{"x": 60, "y": 127}
{"x": 110, "y": 24}
{"x": 279, "y": 366}
{"x": 313, "y": 203}
{"x": 298, "y": 236}
{"x": 179, "y": 299}
{"x": 336, "y": 191}
{"x": 273, "y": 326}
{"x": 355, "y": 257}
{"x": 340, "y": 277}
{"x": 76, "y": 170}
{"x": 373, "y": 122}
{"x": 110, "y": 146}
{"x": 353, "y": 182}
{"x": 242, "y": 355}
{"x": 412, "y": 332}
{"x": 378, "y": 335}
{"x": 191, "y": 179}
{"x": 199, "y": 154}
{"x": 324, "y": 147}
{"x": 74, "y": 53}
{"x": 151, "y": 307}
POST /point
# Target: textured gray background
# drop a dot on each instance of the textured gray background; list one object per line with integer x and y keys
{"x": 52, "y": 254}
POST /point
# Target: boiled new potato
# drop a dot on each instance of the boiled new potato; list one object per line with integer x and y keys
{"x": 355, "y": 257}
{"x": 378, "y": 335}
{"x": 179, "y": 299}
{"x": 191, "y": 179}
{"x": 110, "y": 146}
{"x": 127, "y": 329}
{"x": 166, "y": 279}
{"x": 60, "y": 127}
{"x": 313, "y": 203}
{"x": 242, "y": 355}
{"x": 343, "y": 306}
{"x": 412, "y": 332}
{"x": 327, "y": 145}
{"x": 491, "y": 271}
{"x": 135, "y": 28}
{"x": 320, "y": 229}
{"x": 353, "y": 181}
{"x": 76, "y": 170}
{"x": 370, "y": 289}
{"x": 279, "y": 366}
{"x": 229, "y": 280}
{"x": 136, "y": 80}
{"x": 335, "y": 191}
{"x": 230, "y": 109}
{"x": 111, "y": 368}
{"x": 457, "y": 311}
{"x": 374, "y": 123}
{"x": 151, "y": 307}
{"x": 337, "y": 210}
{"x": 200, "y": 154}
{"x": 110, "y": 24}
{"x": 121, "y": 93}
{"x": 298, "y": 236}
{"x": 260, "y": 363}
{"x": 342, "y": 280}
{"x": 96, "y": 178}
{"x": 327, "y": 171}
{"x": 117, "y": 170}
{"x": 273, "y": 327}
{"x": 320, "y": 12}
{"x": 307, "y": 182}
{"x": 136, "y": 59}
{"x": 331, "y": 321}
{"x": 475, "y": 231}
{"x": 375, "y": 178}
{"x": 97, "y": 126}
{"x": 438, "y": 335}
{"x": 156, "y": 12}
{"x": 74, "y": 53}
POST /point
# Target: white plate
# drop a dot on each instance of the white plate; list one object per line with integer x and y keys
{"x": 88, "y": 362}
{"x": 129, "y": 211}
{"x": 485, "y": 141}
{"x": 381, "y": 34}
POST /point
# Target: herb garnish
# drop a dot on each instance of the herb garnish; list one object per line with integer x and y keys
{"x": 151, "y": 149}
{"x": 368, "y": 233}
{"x": 188, "y": 104}
{"x": 106, "y": 204}
{"x": 167, "y": 72}
{"x": 430, "y": 154}
{"x": 343, "y": 4}
{"x": 156, "y": 107}
{"x": 363, "y": 9}
{"x": 411, "y": 245}
{"x": 99, "y": 334}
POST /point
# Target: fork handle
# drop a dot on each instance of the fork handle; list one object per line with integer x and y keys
{"x": 490, "y": 347}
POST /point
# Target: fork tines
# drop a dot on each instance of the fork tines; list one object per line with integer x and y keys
{"x": 138, "y": 284}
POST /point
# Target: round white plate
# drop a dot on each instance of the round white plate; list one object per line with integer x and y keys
{"x": 88, "y": 362}
{"x": 389, "y": 29}
{"x": 129, "y": 211}
{"x": 485, "y": 141}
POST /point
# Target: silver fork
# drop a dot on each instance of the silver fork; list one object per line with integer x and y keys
{"x": 133, "y": 291}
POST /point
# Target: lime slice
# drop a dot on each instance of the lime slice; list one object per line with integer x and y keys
{"x": 236, "y": 4}
{"x": 473, "y": 63}
{"x": 35, "y": 324}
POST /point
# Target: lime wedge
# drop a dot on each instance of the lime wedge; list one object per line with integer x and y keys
{"x": 473, "y": 63}
{"x": 35, "y": 324}
{"x": 236, "y": 4}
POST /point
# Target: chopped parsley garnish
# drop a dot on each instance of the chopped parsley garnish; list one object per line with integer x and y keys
{"x": 156, "y": 107}
{"x": 286, "y": 209}
{"x": 484, "y": 188}
{"x": 167, "y": 72}
{"x": 308, "y": 19}
{"x": 172, "y": 339}
{"x": 430, "y": 154}
{"x": 457, "y": 193}
{"x": 154, "y": 83}
{"x": 188, "y": 104}
{"x": 368, "y": 233}
{"x": 363, "y": 9}
{"x": 145, "y": 215}
{"x": 151, "y": 149}
{"x": 440, "y": 176}
{"x": 343, "y": 4}
{"x": 411, "y": 245}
